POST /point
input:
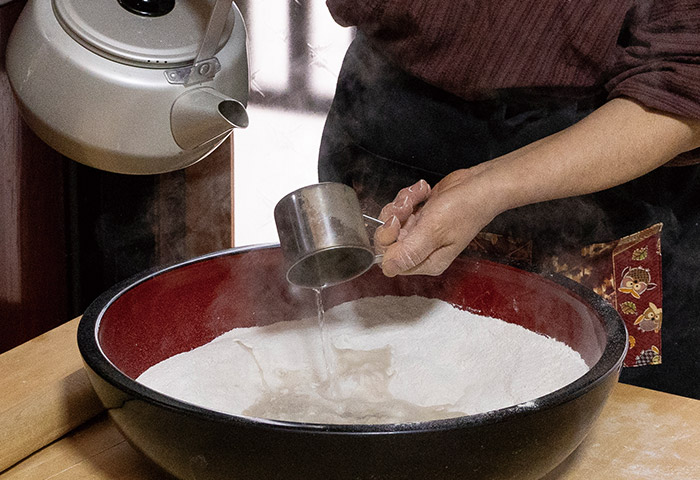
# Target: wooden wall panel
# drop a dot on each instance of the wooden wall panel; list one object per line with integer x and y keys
{"x": 125, "y": 224}
{"x": 32, "y": 237}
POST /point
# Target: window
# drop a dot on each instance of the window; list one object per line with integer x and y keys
{"x": 295, "y": 50}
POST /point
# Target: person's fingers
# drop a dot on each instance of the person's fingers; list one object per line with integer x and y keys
{"x": 410, "y": 252}
{"x": 420, "y": 190}
{"x": 408, "y": 225}
{"x": 387, "y": 234}
{"x": 436, "y": 263}
{"x": 401, "y": 208}
{"x": 408, "y": 262}
{"x": 405, "y": 202}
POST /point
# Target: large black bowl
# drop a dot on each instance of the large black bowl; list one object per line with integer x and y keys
{"x": 147, "y": 319}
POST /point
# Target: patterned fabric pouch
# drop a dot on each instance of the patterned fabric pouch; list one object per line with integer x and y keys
{"x": 626, "y": 272}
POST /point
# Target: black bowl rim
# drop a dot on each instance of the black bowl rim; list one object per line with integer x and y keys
{"x": 93, "y": 356}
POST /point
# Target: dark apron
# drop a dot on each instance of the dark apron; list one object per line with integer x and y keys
{"x": 387, "y": 129}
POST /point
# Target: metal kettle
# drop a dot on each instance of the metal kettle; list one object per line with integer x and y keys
{"x": 131, "y": 86}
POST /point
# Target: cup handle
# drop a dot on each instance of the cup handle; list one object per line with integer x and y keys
{"x": 373, "y": 219}
{"x": 379, "y": 257}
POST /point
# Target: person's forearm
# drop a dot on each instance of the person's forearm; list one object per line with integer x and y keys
{"x": 616, "y": 143}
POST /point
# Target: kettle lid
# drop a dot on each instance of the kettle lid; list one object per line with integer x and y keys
{"x": 112, "y": 31}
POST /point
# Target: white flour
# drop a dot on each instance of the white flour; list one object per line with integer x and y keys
{"x": 394, "y": 360}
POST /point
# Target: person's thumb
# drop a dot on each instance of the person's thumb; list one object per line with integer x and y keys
{"x": 406, "y": 255}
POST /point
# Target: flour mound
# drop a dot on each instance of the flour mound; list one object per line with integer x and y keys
{"x": 391, "y": 360}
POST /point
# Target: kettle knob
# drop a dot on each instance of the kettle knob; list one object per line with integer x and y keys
{"x": 148, "y": 8}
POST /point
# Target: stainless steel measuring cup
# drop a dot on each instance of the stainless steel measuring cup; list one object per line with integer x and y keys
{"x": 323, "y": 236}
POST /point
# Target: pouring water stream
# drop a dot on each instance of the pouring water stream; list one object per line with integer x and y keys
{"x": 328, "y": 357}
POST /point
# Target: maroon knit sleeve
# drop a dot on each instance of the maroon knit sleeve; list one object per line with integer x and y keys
{"x": 659, "y": 64}
{"x": 350, "y": 13}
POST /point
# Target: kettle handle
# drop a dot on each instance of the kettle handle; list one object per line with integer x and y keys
{"x": 202, "y": 68}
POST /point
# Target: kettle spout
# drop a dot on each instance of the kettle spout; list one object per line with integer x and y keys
{"x": 201, "y": 115}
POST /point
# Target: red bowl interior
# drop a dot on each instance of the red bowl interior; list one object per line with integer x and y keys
{"x": 183, "y": 307}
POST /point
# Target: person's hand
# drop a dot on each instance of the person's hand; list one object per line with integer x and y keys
{"x": 426, "y": 229}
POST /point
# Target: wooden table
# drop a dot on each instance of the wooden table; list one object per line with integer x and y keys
{"x": 641, "y": 434}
